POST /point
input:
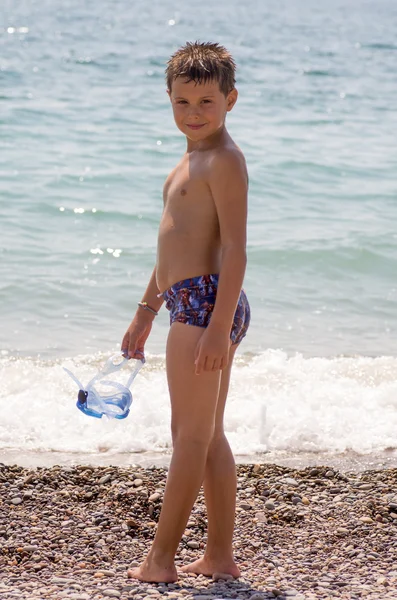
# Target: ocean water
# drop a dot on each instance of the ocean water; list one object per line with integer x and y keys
{"x": 86, "y": 141}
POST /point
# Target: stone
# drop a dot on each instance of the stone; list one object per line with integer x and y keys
{"x": 269, "y": 504}
{"x": 261, "y": 517}
{"x": 366, "y": 520}
{"x": 290, "y": 481}
{"x": 110, "y": 593}
{"x": 154, "y": 497}
{"x": 342, "y": 531}
{"x": 137, "y": 482}
{"x": 194, "y": 545}
{"x": 105, "y": 479}
{"x": 17, "y": 500}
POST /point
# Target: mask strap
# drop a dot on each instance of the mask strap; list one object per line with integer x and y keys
{"x": 138, "y": 367}
{"x": 80, "y": 385}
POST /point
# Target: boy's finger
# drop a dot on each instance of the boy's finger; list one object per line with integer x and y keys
{"x": 215, "y": 365}
{"x": 197, "y": 353}
{"x": 124, "y": 343}
{"x": 139, "y": 353}
{"x": 199, "y": 365}
{"x": 131, "y": 348}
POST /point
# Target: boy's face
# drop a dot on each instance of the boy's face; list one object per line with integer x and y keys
{"x": 200, "y": 109}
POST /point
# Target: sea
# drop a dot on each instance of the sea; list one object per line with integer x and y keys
{"x": 87, "y": 139}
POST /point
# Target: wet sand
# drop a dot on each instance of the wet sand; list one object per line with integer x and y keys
{"x": 344, "y": 461}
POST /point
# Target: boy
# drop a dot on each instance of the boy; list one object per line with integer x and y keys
{"x": 199, "y": 272}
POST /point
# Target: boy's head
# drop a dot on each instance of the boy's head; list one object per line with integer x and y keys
{"x": 200, "y": 83}
{"x": 202, "y": 63}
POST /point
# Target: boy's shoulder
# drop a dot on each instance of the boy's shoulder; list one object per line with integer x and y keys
{"x": 227, "y": 158}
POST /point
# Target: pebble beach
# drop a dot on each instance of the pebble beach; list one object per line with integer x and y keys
{"x": 73, "y": 532}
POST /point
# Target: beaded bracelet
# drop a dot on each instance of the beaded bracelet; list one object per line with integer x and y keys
{"x": 146, "y": 306}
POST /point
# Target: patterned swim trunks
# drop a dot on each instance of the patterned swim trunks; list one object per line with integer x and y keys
{"x": 192, "y": 301}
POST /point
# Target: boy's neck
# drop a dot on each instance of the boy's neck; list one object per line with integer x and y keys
{"x": 212, "y": 141}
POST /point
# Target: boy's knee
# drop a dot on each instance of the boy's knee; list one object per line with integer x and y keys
{"x": 201, "y": 438}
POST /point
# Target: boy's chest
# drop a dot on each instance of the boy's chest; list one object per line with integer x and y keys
{"x": 187, "y": 194}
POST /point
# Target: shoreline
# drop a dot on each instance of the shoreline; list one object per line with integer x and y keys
{"x": 344, "y": 461}
{"x": 308, "y": 534}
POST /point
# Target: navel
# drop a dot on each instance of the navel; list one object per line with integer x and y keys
{"x": 183, "y": 192}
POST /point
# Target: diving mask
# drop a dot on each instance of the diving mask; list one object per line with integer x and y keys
{"x": 115, "y": 405}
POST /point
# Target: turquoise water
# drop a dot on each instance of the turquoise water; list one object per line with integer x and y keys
{"x": 87, "y": 139}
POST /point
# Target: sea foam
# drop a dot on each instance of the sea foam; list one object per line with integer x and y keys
{"x": 276, "y": 403}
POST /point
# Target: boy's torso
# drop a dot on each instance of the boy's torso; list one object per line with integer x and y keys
{"x": 189, "y": 239}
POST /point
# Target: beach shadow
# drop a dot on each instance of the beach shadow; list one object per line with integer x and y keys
{"x": 231, "y": 589}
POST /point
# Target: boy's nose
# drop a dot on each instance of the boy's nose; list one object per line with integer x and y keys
{"x": 194, "y": 111}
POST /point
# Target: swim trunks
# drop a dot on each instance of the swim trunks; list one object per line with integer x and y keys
{"x": 192, "y": 302}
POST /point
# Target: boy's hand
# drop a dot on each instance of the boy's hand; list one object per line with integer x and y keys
{"x": 212, "y": 351}
{"x": 133, "y": 344}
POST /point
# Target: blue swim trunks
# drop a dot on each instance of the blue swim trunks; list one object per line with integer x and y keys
{"x": 192, "y": 301}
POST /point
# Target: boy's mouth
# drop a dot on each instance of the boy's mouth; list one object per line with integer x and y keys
{"x": 195, "y": 126}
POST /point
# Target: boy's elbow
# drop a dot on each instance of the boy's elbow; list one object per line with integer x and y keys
{"x": 237, "y": 252}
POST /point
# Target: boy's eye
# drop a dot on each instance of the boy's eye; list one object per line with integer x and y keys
{"x": 181, "y": 102}
{"x": 207, "y": 101}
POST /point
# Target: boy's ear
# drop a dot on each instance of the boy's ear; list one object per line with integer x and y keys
{"x": 232, "y": 99}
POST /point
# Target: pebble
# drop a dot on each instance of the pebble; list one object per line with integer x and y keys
{"x": 75, "y": 537}
{"x": 261, "y": 517}
{"x": 154, "y": 497}
{"x": 110, "y": 593}
{"x": 366, "y": 520}
{"x": 290, "y": 481}
{"x": 105, "y": 479}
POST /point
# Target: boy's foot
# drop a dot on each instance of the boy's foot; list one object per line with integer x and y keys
{"x": 151, "y": 573}
{"x": 204, "y": 566}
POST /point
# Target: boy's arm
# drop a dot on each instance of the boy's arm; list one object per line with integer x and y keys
{"x": 229, "y": 187}
{"x": 133, "y": 343}
{"x": 151, "y": 294}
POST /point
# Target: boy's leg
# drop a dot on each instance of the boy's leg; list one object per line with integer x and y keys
{"x": 220, "y": 494}
{"x": 193, "y": 402}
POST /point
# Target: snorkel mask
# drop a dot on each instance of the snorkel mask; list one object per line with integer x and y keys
{"x": 115, "y": 405}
